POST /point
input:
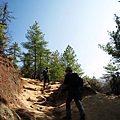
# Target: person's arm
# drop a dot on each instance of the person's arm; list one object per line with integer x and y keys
{"x": 65, "y": 83}
{"x": 66, "y": 80}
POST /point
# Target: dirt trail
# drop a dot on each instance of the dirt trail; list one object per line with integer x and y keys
{"x": 97, "y": 107}
{"x": 33, "y": 97}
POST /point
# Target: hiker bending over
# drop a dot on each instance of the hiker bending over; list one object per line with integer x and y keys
{"x": 46, "y": 76}
{"x": 73, "y": 92}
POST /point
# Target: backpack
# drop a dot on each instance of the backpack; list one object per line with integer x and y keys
{"x": 76, "y": 80}
{"x": 44, "y": 73}
{"x": 81, "y": 82}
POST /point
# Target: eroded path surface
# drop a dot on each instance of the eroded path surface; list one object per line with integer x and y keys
{"x": 35, "y": 99}
{"x": 97, "y": 107}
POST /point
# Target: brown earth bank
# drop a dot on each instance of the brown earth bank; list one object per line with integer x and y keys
{"x": 10, "y": 84}
{"x": 25, "y": 99}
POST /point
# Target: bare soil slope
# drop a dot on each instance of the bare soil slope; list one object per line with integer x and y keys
{"x": 97, "y": 107}
{"x": 24, "y": 99}
{"x": 10, "y": 84}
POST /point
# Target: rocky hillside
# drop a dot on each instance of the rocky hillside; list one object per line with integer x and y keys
{"x": 10, "y": 84}
{"x": 25, "y": 99}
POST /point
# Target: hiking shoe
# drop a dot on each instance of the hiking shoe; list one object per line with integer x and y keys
{"x": 67, "y": 118}
{"x": 82, "y": 117}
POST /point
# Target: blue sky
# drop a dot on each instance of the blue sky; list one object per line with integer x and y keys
{"x": 83, "y": 24}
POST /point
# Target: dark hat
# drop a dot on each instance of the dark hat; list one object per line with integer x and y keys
{"x": 46, "y": 67}
{"x": 68, "y": 69}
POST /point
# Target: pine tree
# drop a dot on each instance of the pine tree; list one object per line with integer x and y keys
{"x": 113, "y": 47}
{"x": 5, "y": 19}
{"x": 27, "y": 69}
{"x": 69, "y": 59}
{"x": 2, "y": 38}
{"x": 57, "y": 70}
{"x": 111, "y": 68}
{"x": 36, "y": 46}
{"x": 15, "y": 52}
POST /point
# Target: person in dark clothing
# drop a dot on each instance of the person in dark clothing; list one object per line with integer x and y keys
{"x": 46, "y": 76}
{"x": 72, "y": 93}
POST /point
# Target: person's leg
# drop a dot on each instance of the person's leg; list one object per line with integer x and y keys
{"x": 81, "y": 109}
{"x": 44, "y": 82}
{"x": 68, "y": 109}
{"x": 48, "y": 80}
